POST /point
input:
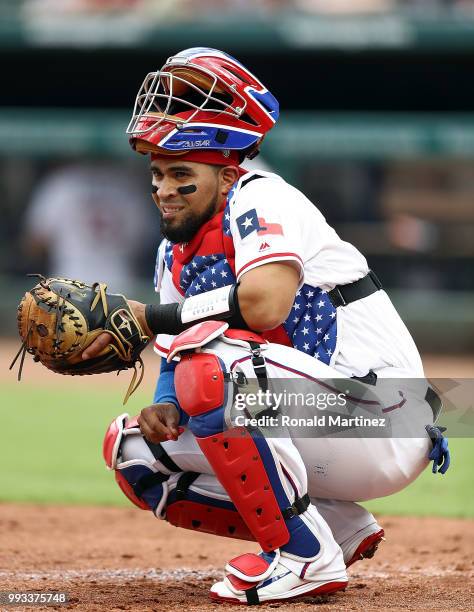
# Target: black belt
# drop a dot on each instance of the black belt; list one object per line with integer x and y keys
{"x": 431, "y": 397}
{"x": 434, "y": 402}
{"x": 342, "y": 295}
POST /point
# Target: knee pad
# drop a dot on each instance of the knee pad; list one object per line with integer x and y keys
{"x": 199, "y": 376}
{"x": 126, "y": 452}
{"x": 199, "y": 383}
{"x": 201, "y": 392}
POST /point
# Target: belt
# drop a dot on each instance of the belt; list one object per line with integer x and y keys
{"x": 342, "y": 295}
{"x": 435, "y": 402}
{"x": 431, "y": 397}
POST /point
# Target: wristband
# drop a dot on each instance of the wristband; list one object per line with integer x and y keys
{"x": 218, "y": 304}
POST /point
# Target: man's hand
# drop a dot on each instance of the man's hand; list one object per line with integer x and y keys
{"x": 105, "y": 338}
{"x": 138, "y": 310}
{"x": 159, "y": 422}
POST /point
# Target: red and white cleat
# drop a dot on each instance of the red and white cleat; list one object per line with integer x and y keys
{"x": 366, "y": 548}
{"x": 252, "y": 581}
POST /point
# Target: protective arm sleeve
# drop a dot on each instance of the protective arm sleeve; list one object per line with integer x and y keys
{"x": 165, "y": 391}
{"x": 175, "y": 318}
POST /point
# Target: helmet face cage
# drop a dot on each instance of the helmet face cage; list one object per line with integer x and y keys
{"x": 202, "y": 98}
{"x": 157, "y": 98}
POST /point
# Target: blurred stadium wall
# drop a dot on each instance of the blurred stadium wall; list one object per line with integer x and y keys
{"x": 377, "y": 128}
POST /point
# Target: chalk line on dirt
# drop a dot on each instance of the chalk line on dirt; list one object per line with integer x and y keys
{"x": 118, "y": 574}
{"x": 166, "y": 575}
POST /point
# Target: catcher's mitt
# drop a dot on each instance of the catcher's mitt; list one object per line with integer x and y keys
{"x": 58, "y": 318}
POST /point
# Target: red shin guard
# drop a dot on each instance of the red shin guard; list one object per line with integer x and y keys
{"x": 237, "y": 464}
{"x": 208, "y": 519}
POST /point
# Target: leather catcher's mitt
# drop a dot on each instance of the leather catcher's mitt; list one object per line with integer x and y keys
{"x": 59, "y": 317}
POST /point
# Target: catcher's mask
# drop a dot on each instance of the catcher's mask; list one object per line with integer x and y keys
{"x": 202, "y": 98}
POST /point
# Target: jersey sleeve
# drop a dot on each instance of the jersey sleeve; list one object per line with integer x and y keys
{"x": 168, "y": 295}
{"x": 263, "y": 228}
{"x": 165, "y": 390}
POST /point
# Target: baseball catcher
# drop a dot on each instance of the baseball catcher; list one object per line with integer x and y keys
{"x": 255, "y": 287}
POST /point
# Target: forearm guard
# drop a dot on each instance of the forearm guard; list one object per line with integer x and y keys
{"x": 219, "y": 304}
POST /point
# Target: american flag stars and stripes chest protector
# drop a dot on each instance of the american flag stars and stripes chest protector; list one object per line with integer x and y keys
{"x": 207, "y": 262}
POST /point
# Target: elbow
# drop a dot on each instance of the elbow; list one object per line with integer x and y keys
{"x": 261, "y": 318}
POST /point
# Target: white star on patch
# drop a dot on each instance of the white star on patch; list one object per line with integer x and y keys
{"x": 306, "y": 346}
{"x": 305, "y": 331}
{"x": 246, "y": 223}
{"x": 296, "y": 306}
{"x": 295, "y": 320}
{"x": 320, "y": 304}
{"x": 198, "y": 286}
{"x": 332, "y": 315}
{"x": 213, "y": 270}
{"x": 326, "y": 337}
{"x": 214, "y": 257}
{"x": 319, "y": 330}
{"x": 227, "y": 216}
{"x": 194, "y": 264}
{"x": 214, "y": 284}
{"x": 223, "y": 273}
{"x": 329, "y": 352}
{"x": 307, "y": 317}
{"x": 310, "y": 294}
{"x": 319, "y": 317}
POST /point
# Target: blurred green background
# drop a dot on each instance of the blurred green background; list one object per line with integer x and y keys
{"x": 51, "y": 453}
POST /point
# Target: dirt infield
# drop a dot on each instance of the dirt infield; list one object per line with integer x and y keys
{"x": 125, "y": 559}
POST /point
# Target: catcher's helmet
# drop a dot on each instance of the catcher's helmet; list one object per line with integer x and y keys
{"x": 202, "y": 98}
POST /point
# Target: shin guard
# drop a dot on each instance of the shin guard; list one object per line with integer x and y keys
{"x": 237, "y": 463}
{"x": 208, "y": 519}
{"x": 248, "y": 466}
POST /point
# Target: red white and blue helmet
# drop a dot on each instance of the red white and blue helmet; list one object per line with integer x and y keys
{"x": 201, "y": 99}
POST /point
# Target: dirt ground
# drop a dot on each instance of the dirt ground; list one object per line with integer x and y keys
{"x": 125, "y": 559}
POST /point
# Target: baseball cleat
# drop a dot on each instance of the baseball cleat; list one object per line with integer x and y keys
{"x": 367, "y": 547}
{"x": 279, "y": 585}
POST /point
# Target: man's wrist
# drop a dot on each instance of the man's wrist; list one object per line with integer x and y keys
{"x": 219, "y": 304}
{"x": 163, "y": 319}
{"x": 138, "y": 310}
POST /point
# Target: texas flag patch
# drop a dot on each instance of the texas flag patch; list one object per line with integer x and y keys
{"x": 250, "y": 222}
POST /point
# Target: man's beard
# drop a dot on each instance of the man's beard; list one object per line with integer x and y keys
{"x": 191, "y": 224}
